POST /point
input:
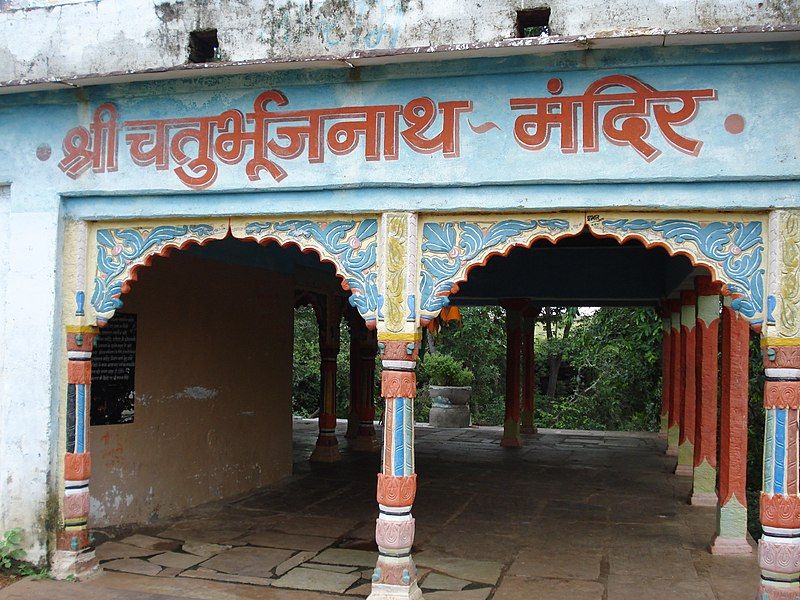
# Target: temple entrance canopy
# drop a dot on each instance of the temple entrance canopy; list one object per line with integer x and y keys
{"x": 643, "y": 175}
{"x": 400, "y": 270}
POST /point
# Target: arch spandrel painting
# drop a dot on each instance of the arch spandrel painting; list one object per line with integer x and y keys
{"x": 117, "y": 250}
{"x": 637, "y": 124}
{"x": 349, "y": 243}
{"x": 451, "y": 246}
{"x": 732, "y": 245}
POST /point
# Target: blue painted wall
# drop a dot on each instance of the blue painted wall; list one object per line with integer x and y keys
{"x": 758, "y": 83}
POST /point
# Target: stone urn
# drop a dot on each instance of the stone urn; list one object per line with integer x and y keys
{"x": 449, "y": 406}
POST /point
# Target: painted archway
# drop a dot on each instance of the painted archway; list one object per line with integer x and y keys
{"x": 119, "y": 250}
{"x": 732, "y": 249}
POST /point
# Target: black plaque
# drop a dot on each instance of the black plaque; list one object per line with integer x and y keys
{"x": 113, "y": 370}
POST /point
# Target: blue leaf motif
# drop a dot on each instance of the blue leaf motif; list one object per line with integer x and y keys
{"x": 438, "y": 237}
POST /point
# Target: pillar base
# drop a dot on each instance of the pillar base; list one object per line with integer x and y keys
{"x": 353, "y": 423}
{"x": 703, "y": 499}
{"x": 777, "y": 591}
{"x": 326, "y": 453}
{"x": 364, "y": 443}
{"x": 671, "y": 451}
{"x": 529, "y": 429}
{"x": 663, "y": 435}
{"x": 385, "y": 591}
{"x": 730, "y": 546}
{"x": 511, "y": 437}
{"x": 684, "y": 470}
{"x": 67, "y": 563}
{"x": 511, "y": 442}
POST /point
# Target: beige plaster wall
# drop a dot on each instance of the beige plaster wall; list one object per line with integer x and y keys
{"x": 212, "y": 413}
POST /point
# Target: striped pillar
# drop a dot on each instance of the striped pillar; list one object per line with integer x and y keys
{"x": 74, "y": 553}
{"x": 688, "y": 385}
{"x": 673, "y": 432}
{"x": 779, "y": 547}
{"x": 395, "y": 575}
{"x": 511, "y": 422}
{"x": 528, "y": 370}
{"x": 666, "y": 351}
{"x": 704, "y": 485}
{"x": 365, "y": 439}
{"x": 731, "y": 537}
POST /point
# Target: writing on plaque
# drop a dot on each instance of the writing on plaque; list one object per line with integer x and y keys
{"x": 113, "y": 371}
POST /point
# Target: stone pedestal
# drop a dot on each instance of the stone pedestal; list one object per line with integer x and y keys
{"x": 450, "y": 406}
{"x": 80, "y": 564}
{"x": 449, "y": 416}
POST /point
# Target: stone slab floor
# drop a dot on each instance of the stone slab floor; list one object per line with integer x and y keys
{"x": 572, "y": 515}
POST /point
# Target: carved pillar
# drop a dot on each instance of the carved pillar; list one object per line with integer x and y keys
{"x": 673, "y": 433}
{"x": 779, "y": 547}
{"x": 327, "y": 448}
{"x": 399, "y": 335}
{"x": 731, "y": 537}
{"x": 528, "y": 370}
{"x": 395, "y": 575}
{"x": 74, "y": 552}
{"x": 511, "y": 422}
{"x": 365, "y": 439}
{"x": 704, "y": 485}
{"x": 687, "y": 383}
{"x": 666, "y": 374}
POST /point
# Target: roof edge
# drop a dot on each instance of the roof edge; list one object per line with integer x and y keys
{"x": 445, "y": 52}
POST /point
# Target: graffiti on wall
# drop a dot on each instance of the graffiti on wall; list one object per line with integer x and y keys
{"x": 269, "y": 137}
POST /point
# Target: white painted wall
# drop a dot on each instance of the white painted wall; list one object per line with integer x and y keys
{"x": 28, "y": 410}
{"x": 46, "y": 39}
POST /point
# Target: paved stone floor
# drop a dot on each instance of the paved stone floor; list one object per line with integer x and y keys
{"x": 572, "y": 515}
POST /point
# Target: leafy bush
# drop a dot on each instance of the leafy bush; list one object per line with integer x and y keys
{"x": 10, "y": 550}
{"x": 479, "y": 342}
{"x": 443, "y": 369}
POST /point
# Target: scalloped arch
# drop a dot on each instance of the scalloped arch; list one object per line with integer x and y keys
{"x": 731, "y": 250}
{"x": 350, "y": 246}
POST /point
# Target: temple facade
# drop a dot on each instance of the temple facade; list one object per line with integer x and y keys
{"x": 186, "y": 175}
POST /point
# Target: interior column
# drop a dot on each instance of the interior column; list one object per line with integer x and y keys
{"x": 327, "y": 448}
{"x": 365, "y": 439}
{"x": 357, "y": 330}
{"x": 666, "y": 374}
{"x": 511, "y": 422}
{"x": 704, "y": 485}
{"x": 687, "y": 384}
{"x": 673, "y": 433}
{"x": 395, "y": 575}
{"x": 731, "y": 537}
{"x": 529, "y": 369}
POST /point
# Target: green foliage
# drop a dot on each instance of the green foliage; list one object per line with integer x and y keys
{"x": 479, "y": 343}
{"x": 32, "y": 572}
{"x": 10, "y": 548}
{"x": 442, "y": 369}
{"x": 306, "y": 363}
{"x": 306, "y": 391}
{"x": 611, "y": 377}
{"x": 755, "y": 437}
